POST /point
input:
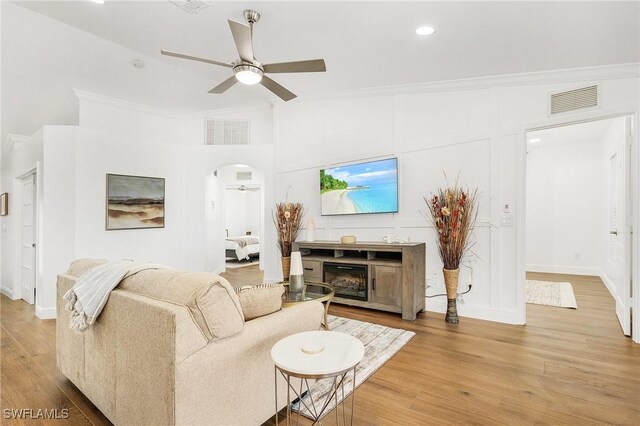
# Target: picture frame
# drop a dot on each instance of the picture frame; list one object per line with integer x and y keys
{"x": 134, "y": 202}
{"x": 4, "y": 204}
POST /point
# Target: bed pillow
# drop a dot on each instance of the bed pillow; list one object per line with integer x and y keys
{"x": 260, "y": 300}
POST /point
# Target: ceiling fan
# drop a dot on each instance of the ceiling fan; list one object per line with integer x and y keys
{"x": 242, "y": 188}
{"x": 247, "y": 69}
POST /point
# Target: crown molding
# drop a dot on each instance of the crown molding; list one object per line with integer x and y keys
{"x": 233, "y": 110}
{"x": 127, "y": 105}
{"x": 17, "y": 139}
{"x": 605, "y": 72}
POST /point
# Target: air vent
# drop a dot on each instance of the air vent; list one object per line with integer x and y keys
{"x": 585, "y": 97}
{"x": 190, "y": 6}
{"x": 227, "y": 132}
{"x": 243, "y": 175}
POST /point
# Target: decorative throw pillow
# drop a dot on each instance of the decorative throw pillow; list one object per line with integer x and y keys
{"x": 260, "y": 300}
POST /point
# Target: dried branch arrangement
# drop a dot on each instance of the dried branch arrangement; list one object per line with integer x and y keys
{"x": 287, "y": 217}
{"x": 453, "y": 214}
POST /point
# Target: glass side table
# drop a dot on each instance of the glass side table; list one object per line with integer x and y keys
{"x": 312, "y": 291}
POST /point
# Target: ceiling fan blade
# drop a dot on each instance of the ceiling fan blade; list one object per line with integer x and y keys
{"x": 283, "y": 93}
{"x": 224, "y": 86}
{"x": 195, "y": 58}
{"x": 242, "y": 36}
{"x": 313, "y": 65}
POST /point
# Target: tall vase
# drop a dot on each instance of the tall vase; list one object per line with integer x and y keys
{"x": 286, "y": 267}
{"x": 451, "y": 283}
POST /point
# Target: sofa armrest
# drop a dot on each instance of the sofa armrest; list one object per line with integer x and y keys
{"x": 211, "y": 383}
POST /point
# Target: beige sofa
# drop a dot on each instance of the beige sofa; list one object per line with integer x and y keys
{"x": 146, "y": 360}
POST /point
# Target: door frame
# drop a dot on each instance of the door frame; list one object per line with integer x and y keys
{"x": 33, "y": 173}
{"x": 634, "y": 162}
{"x": 38, "y": 220}
{"x": 266, "y": 194}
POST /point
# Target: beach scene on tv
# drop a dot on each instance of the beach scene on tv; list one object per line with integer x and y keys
{"x": 360, "y": 188}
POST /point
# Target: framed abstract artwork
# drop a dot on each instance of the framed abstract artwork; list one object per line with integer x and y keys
{"x": 134, "y": 202}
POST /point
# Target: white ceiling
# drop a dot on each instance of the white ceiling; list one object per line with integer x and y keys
{"x": 365, "y": 44}
{"x": 590, "y": 132}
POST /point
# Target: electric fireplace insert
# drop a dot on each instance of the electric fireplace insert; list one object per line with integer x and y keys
{"x": 349, "y": 281}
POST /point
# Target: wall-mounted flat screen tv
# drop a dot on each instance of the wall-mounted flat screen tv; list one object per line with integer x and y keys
{"x": 362, "y": 188}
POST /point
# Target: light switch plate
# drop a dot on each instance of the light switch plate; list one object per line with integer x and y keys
{"x": 507, "y": 219}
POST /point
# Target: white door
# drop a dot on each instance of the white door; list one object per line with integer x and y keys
{"x": 28, "y": 238}
{"x": 618, "y": 263}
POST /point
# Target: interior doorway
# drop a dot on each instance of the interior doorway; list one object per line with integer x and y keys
{"x": 238, "y": 216}
{"x": 578, "y": 219}
{"x": 28, "y": 237}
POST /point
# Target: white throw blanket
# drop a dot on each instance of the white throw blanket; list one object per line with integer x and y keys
{"x": 92, "y": 289}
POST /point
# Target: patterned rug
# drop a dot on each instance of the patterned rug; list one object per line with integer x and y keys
{"x": 380, "y": 344}
{"x": 551, "y": 294}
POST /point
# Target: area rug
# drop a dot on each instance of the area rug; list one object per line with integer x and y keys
{"x": 380, "y": 344}
{"x": 551, "y": 294}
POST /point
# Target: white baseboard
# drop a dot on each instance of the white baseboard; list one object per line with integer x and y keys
{"x": 8, "y": 292}
{"x": 478, "y": 312}
{"x": 610, "y": 285}
{"x": 570, "y": 270}
{"x": 45, "y": 313}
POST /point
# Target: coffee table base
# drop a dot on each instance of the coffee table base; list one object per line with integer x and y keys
{"x": 338, "y": 383}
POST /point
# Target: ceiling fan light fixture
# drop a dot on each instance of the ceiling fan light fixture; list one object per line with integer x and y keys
{"x": 248, "y": 74}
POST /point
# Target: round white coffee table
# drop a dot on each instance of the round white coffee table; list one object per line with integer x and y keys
{"x": 317, "y": 355}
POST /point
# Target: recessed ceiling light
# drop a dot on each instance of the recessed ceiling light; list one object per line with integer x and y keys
{"x": 425, "y": 31}
{"x": 98, "y": 1}
{"x": 534, "y": 140}
{"x": 241, "y": 165}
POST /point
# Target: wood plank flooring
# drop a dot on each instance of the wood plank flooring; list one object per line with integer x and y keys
{"x": 565, "y": 367}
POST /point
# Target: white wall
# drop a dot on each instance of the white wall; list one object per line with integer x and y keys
{"x": 566, "y": 206}
{"x": 473, "y": 127}
{"x": 99, "y": 153}
{"x": 205, "y": 235}
{"x": 125, "y": 140}
{"x": 57, "y": 231}
{"x": 242, "y": 209}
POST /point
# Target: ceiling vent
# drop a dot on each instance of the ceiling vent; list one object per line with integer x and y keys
{"x": 227, "y": 132}
{"x": 585, "y": 97}
{"x": 243, "y": 175}
{"x": 190, "y": 6}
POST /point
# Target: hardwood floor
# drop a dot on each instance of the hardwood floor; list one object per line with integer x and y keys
{"x": 564, "y": 367}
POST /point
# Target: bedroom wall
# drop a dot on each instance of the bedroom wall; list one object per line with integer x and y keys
{"x": 474, "y": 127}
{"x": 563, "y": 183}
{"x": 205, "y": 235}
{"x": 242, "y": 209}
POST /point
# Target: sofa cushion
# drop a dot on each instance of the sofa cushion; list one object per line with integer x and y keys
{"x": 212, "y": 302}
{"x": 210, "y": 298}
{"x": 260, "y": 300}
{"x": 80, "y": 266}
